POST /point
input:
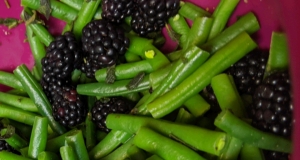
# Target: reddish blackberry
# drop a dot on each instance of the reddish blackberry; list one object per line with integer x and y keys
{"x": 63, "y": 55}
{"x": 115, "y": 11}
{"x": 248, "y": 72}
{"x": 103, "y": 107}
{"x": 68, "y": 107}
{"x": 272, "y": 108}
{"x": 103, "y": 44}
{"x": 150, "y": 16}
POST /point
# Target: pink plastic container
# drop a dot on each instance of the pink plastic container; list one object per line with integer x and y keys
{"x": 274, "y": 15}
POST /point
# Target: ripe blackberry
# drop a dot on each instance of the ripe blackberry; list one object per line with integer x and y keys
{"x": 69, "y": 107}
{"x": 272, "y": 108}
{"x": 115, "y": 11}
{"x": 248, "y": 72}
{"x": 103, "y": 107}
{"x": 150, "y": 16}
{"x": 4, "y": 146}
{"x": 63, "y": 55}
{"x": 103, "y": 44}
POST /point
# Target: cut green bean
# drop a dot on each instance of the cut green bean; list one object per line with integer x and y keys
{"x": 22, "y": 128}
{"x": 55, "y": 143}
{"x": 250, "y": 135}
{"x": 90, "y": 132}
{"x": 154, "y": 157}
{"x": 76, "y": 4}
{"x": 17, "y": 92}
{"x": 67, "y": 153}
{"x": 136, "y": 153}
{"x": 48, "y": 156}
{"x": 249, "y": 152}
{"x": 10, "y": 80}
{"x": 98, "y": 14}
{"x": 194, "y": 83}
{"x": 16, "y": 142}
{"x": 183, "y": 116}
{"x": 279, "y": 53}
{"x": 18, "y": 101}
{"x": 246, "y": 23}
{"x": 221, "y": 16}
{"x": 5, "y": 155}
{"x": 130, "y": 57}
{"x": 175, "y": 55}
{"x": 58, "y": 9}
{"x": 17, "y": 114}
{"x": 191, "y": 11}
{"x": 35, "y": 92}
{"x": 179, "y": 25}
{"x": 38, "y": 137}
{"x": 155, "y": 143}
{"x": 85, "y": 15}
{"x": 214, "y": 141}
{"x": 37, "y": 49}
{"x": 197, "y": 105}
{"x": 76, "y": 141}
{"x": 111, "y": 141}
{"x": 24, "y": 152}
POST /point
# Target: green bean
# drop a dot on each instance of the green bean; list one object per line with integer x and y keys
{"x": 130, "y": 57}
{"x": 279, "y": 53}
{"x": 197, "y": 105}
{"x": 37, "y": 49}
{"x": 246, "y": 23}
{"x": 76, "y": 141}
{"x": 250, "y": 135}
{"x": 199, "y": 32}
{"x": 194, "y": 83}
{"x": 55, "y": 143}
{"x": 98, "y": 14}
{"x": 5, "y": 155}
{"x": 85, "y": 15}
{"x": 179, "y": 24}
{"x": 76, "y": 4}
{"x": 67, "y": 153}
{"x": 249, "y": 152}
{"x": 38, "y": 137}
{"x": 35, "y": 73}
{"x": 111, "y": 141}
{"x": 100, "y": 135}
{"x": 115, "y": 89}
{"x": 18, "y": 101}
{"x": 90, "y": 132}
{"x": 154, "y": 157}
{"x": 125, "y": 70}
{"x": 164, "y": 147}
{"x": 48, "y": 156}
{"x": 35, "y": 92}
{"x": 10, "y": 80}
{"x": 221, "y": 16}
{"x": 214, "y": 141}
{"x": 17, "y": 114}
{"x": 136, "y": 153}
{"x": 17, "y": 92}
{"x": 191, "y": 11}
{"x": 16, "y": 141}
{"x": 184, "y": 116}
{"x": 58, "y": 9}
{"x": 22, "y": 128}
{"x": 24, "y": 152}
{"x": 175, "y": 55}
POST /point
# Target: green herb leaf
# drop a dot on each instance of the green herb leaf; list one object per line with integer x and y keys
{"x": 9, "y": 22}
{"x": 45, "y": 8}
{"x": 135, "y": 81}
{"x": 110, "y": 74}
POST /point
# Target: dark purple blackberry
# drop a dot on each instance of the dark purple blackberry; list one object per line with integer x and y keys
{"x": 248, "y": 72}
{"x": 150, "y": 16}
{"x": 68, "y": 107}
{"x": 272, "y": 109}
{"x": 63, "y": 55}
{"x": 4, "y": 146}
{"x": 210, "y": 97}
{"x": 103, "y": 107}
{"x": 104, "y": 44}
{"x": 116, "y": 10}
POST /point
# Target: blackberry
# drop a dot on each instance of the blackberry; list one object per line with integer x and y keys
{"x": 63, "y": 55}
{"x": 150, "y": 16}
{"x": 248, "y": 72}
{"x": 210, "y": 97}
{"x": 103, "y": 107}
{"x": 115, "y": 11}
{"x": 272, "y": 108}
{"x": 68, "y": 107}
{"x": 4, "y": 146}
{"x": 103, "y": 44}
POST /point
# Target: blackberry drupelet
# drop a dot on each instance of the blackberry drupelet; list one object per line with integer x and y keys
{"x": 103, "y": 107}
{"x": 68, "y": 107}
{"x": 150, "y": 16}
{"x": 272, "y": 108}
{"x": 104, "y": 44}
{"x": 248, "y": 72}
{"x": 116, "y": 10}
{"x": 63, "y": 55}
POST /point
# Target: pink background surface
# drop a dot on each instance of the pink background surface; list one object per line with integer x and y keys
{"x": 274, "y": 15}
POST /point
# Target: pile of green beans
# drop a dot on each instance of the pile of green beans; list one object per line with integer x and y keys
{"x": 166, "y": 122}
